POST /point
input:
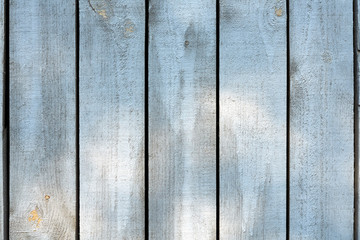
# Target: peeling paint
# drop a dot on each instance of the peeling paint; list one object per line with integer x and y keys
{"x": 129, "y": 28}
{"x": 102, "y": 13}
{"x": 35, "y": 218}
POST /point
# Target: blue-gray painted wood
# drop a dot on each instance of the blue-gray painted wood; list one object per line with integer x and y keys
{"x": 321, "y": 120}
{"x": 182, "y": 119}
{"x": 253, "y": 119}
{"x": 112, "y": 119}
{"x": 42, "y": 116}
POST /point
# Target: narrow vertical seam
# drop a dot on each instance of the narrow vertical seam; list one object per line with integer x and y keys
{"x": 356, "y": 124}
{"x": 288, "y": 89}
{"x": 217, "y": 119}
{"x": 146, "y": 120}
{"x": 6, "y": 122}
{"x": 77, "y": 83}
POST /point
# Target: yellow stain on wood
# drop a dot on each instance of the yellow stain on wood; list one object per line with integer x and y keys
{"x": 102, "y": 13}
{"x": 278, "y": 12}
{"x": 130, "y": 29}
{"x": 35, "y": 218}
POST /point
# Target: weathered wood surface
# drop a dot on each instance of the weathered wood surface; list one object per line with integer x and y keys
{"x": 182, "y": 119}
{"x": 321, "y": 120}
{"x": 112, "y": 119}
{"x": 42, "y": 116}
{"x": 252, "y": 119}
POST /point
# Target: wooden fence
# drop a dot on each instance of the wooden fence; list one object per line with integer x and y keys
{"x": 173, "y": 119}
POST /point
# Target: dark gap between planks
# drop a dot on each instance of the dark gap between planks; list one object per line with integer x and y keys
{"x": 77, "y": 80}
{"x": 6, "y": 123}
{"x": 288, "y": 120}
{"x": 146, "y": 120}
{"x": 218, "y": 119}
{"x": 356, "y": 116}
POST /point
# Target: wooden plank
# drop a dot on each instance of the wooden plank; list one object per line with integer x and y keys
{"x": 182, "y": 119}
{"x": 112, "y": 119}
{"x": 42, "y": 116}
{"x": 321, "y": 120}
{"x": 253, "y": 119}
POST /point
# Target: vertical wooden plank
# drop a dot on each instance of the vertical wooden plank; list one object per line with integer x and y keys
{"x": 112, "y": 119}
{"x": 182, "y": 119}
{"x": 321, "y": 120}
{"x": 42, "y": 116}
{"x": 253, "y": 119}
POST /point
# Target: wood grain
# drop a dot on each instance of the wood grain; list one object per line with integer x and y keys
{"x": 321, "y": 120}
{"x": 252, "y": 119}
{"x": 42, "y": 116}
{"x": 182, "y": 119}
{"x": 112, "y": 119}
